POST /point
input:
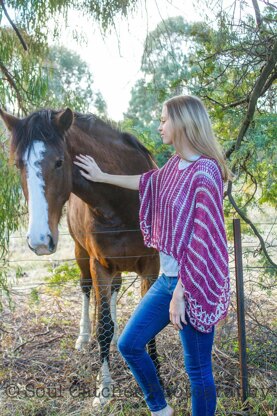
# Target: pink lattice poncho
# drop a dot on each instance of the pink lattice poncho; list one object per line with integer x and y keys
{"x": 181, "y": 214}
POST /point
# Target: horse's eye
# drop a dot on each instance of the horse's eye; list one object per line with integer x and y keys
{"x": 59, "y": 164}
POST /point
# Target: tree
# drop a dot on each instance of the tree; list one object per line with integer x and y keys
{"x": 24, "y": 46}
{"x": 228, "y": 59}
{"x": 237, "y": 70}
{"x": 29, "y": 70}
{"x": 11, "y": 210}
{"x": 34, "y": 15}
{"x": 69, "y": 83}
{"x": 163, "y": 64}
{"x": 231, "y": 64}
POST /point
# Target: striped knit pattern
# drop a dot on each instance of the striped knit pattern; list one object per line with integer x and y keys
{"x": 181, "y": 214}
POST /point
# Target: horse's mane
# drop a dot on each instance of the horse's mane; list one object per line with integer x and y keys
{"x": 39, "y": 126}
{"x": 91, "y": 124}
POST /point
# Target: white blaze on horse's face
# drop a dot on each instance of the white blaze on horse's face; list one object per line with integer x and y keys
{"x": 39, "y": 236}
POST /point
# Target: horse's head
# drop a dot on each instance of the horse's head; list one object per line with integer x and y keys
{"x": 38, "y": 145}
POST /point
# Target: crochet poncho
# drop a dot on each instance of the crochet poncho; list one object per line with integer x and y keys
{"x": 181, "y": 214}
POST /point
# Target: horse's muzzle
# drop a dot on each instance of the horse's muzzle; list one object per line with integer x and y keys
{"x": 43, "y": 249}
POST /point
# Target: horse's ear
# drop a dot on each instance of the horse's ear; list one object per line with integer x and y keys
{"x": 9, "y": 120}
{"x": 64, "y": 120}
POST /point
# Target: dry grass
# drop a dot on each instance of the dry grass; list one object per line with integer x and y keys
{"x": 42, "y": 374}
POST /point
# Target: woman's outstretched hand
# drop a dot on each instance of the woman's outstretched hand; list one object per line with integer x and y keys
{"x": 91, "y": 170}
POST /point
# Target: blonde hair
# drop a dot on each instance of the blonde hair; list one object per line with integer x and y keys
{"x": 190, "y": 120}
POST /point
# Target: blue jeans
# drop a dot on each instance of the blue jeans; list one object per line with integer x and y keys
{"x": 149, "y": 318}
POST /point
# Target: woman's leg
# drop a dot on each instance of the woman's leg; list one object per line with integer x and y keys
{"x": 149, "y": 318}
{"x": 198, "y": 362}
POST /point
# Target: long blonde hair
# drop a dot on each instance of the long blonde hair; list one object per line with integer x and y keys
{"x": 190, "y": 120}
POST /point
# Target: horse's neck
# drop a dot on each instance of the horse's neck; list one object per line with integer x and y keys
{"x": 108, "y": 154}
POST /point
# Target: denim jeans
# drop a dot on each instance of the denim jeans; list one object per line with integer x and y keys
{"x": 149, "y": 318}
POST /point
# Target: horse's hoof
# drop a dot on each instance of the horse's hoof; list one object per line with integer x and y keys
{"x": 99, "y": 402}
{"x": 82, "y": 343}
{"x": 103, "y": 395}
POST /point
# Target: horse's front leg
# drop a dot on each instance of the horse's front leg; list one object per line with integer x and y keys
{"x": 116, "y": 284}
{"x": 82, "y": 259}
{"x": 85, "y": 324}
{"x": 102, "y": 282}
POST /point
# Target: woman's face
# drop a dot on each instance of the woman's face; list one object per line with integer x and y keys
{"x": 165, "y": 127}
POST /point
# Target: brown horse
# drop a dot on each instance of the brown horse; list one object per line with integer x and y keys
{"x": 102, "y": 219}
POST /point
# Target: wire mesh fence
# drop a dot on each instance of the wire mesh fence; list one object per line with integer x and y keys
{"x": 39, "y": 331}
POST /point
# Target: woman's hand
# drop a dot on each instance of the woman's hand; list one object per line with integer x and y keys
{"x": 177, "y": 307}
{"x": 95, "y": 174}
{"x": 92, "y": 170}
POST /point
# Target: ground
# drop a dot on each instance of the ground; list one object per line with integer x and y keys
{"x": 42, "y": 374}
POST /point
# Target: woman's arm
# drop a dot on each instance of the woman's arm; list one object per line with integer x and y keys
{"x": 177, "y": 307}
{"x": 95, "y": 174}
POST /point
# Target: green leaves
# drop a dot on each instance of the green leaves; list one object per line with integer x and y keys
{"x": 12, "y": 206}
{"x": 165, "y": 68}
{"x": 69, "y": 82}
{"x": 221, "y": 61}
{"x": 35, "y": 14}
{"x": 10, "y": 201}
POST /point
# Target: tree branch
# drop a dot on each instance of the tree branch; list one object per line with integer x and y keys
{"x": 254, "y": 182}
{"x": 269, "y": 82}
{"x": 13, "y": 85}
{"x": 256, "y": 93}
{"x": 269, "y": 4}
{"x": 213, "y": 101}
{"x": 252, "y": 226}
{"x": 245, "y": 100}
{"x": 262, "y": 84}
{"x": 231, "y": 105}
{"x": 13, "y": 26}
{"x": 257, "y": 12}
{"x": 236, "y": 103}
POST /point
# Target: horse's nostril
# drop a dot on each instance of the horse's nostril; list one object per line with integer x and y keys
{"x": 51, "y": 244}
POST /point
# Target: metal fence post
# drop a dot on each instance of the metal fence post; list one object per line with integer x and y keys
{"x": 240, "y": 310}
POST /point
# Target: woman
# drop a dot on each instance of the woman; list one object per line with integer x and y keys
{"x": 181, "y": 216}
